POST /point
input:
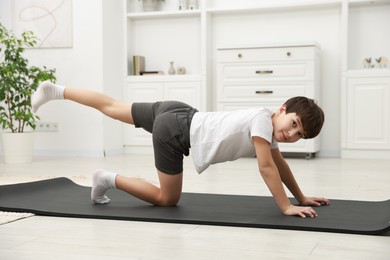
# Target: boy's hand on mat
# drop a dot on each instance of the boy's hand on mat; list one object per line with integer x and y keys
{"x": 300, "y": 211}
{"x": 314, "y": 201}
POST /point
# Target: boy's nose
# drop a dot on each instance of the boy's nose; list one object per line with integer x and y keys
{"x": 291, "y": 133}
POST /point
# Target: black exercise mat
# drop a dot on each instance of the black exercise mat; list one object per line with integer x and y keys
{"x": 62, "y": 197}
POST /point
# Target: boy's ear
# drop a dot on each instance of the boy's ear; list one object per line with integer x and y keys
{"x": 282, "y": 109}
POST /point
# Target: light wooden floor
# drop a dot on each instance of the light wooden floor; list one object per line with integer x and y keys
{"x": 67, "y": 238}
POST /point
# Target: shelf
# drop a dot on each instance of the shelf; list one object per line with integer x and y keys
{"x": 267, "y": 45}
{"x": 276, "y": 6}
{"x": 268, "y": 6}
{"x": 354, "y": 3}
{"x": 163, "y": 14}
{"x": 164, "y": 78}
{"x": 368, "y": 73}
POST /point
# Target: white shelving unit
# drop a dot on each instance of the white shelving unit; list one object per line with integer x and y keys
{"x": 163, "y": 14}
{"x": 186, "y": 36}
{"x": 190, "y": 38}
{"x": 365, "y": 93}
{"x": 267, "y": 6}
{"x": 162, "y": 37}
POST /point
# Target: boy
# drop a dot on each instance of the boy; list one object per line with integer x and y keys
{"x": 212, "y": 136}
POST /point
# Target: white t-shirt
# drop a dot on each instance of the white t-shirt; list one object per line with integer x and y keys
{"x": 227, "y": 135}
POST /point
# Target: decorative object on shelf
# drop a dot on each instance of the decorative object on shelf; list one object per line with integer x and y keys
{"x": 382, "y": 62}
{"x": 192, "y": 4}
{"x": 152, "y": 5}
{"x": 170, "y": 5}
{"x": 367, "y": 63}
{"x": 138, "y": 6}
{"x": 181, "y": 70}
{"x": 171, "y": 70}
{"x": 138, "y": 64}
{"x": 182, "y": 4}
{"x": 151, "y": 73}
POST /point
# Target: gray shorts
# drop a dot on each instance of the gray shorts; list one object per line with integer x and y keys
{"x": 169, "y": 122}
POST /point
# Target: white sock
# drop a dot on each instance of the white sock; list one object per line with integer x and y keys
{"x": 46, "y": 91}
{"x": 102, "y": 181}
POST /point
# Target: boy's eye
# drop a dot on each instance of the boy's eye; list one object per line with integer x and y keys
{"x": 302, "y": 135}
{"x": 294, "y": 123}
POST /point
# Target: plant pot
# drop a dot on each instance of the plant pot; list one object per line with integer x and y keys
{"x": 17, "y": 147}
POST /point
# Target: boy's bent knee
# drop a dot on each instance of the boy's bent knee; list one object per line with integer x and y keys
{"x": 168, "y": 201}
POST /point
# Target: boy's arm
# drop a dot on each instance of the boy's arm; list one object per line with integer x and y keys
{"x": 286, "y": 175}
{"x": 289, "y": 180}
{"x": 270, "y": 174}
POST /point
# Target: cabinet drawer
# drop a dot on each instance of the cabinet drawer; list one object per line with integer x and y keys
{"x": 267, "y": 71}
{"x": 266, "y": 54}
{"x": 254, "y": 93}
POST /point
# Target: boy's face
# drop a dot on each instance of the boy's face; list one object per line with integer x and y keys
{"x": 287, "y": 127}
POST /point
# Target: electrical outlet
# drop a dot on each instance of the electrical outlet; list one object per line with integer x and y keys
{"x": 46, "y": 127}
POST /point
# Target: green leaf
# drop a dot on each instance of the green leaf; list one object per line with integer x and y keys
{"x": 18, "y": 80}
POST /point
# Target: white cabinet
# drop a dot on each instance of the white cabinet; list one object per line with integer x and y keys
{"x": 187, "y": 92}
{"x": 151, "y": 89}
{"x": 266, "y": 76}
{"x": 367, "y": 121}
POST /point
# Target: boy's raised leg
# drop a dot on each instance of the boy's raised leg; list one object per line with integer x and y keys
{"x": 113, "y": 108}
{"x": 105, "y": 104}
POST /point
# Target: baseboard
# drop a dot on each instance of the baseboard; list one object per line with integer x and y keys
{"x": 138, "y": 149}
{"x": 329, "y": 154}
{"x": 365, "y": 154}
{"x": 69, "y": 153}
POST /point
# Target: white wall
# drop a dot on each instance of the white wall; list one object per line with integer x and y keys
{"x": 82, "y": 131}
{"x": 114, "y": 70}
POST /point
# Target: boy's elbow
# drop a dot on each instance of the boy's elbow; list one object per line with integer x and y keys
{"x": 266, "y": 170}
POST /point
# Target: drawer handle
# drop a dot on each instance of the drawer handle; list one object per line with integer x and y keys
{"x": 264, "y": 91}
{"x": 264, "y": 71}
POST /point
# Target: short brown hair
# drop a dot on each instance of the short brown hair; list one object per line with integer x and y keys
{"x": 312, "y": 116}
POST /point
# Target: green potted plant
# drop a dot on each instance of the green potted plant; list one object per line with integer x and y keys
{"x": 18, "y": 81}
